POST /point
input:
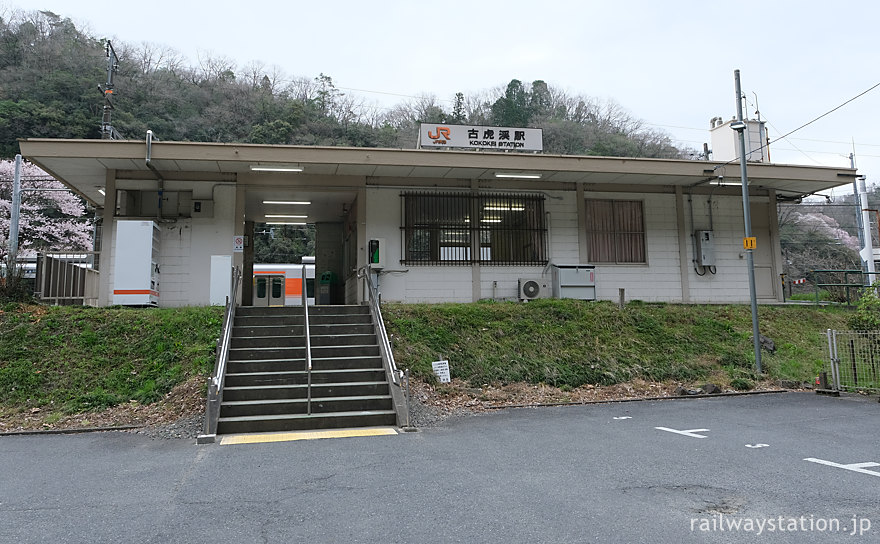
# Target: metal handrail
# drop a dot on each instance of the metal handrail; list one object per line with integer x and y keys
{"x": 305, "y": 303}
{"x": 215, "y": 386}
{"x": 847, "y": 284}
{"x": 384, "y": 344}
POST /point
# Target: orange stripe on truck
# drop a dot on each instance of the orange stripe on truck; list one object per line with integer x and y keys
{"x": 135, "y": 292}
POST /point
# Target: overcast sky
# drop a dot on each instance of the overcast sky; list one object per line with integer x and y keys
{"x": 668, "y": 63}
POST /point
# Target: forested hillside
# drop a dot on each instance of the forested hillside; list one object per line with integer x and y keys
{"x": 50, "y": 72}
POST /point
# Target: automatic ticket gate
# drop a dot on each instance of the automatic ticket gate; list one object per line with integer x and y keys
{"x": 268, "y": 290}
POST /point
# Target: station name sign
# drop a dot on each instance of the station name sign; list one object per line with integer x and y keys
{"x": 479, "y": 137}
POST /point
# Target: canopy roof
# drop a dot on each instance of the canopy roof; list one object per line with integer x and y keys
{"x": 83, "y": 165}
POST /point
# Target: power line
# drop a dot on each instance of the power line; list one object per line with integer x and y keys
{"x": 832, "y": 110}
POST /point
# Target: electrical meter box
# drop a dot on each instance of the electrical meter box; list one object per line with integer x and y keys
{"x": 376, "y": 253}
{"x": 136, "y": 264}
{"x": 705, "y": 247}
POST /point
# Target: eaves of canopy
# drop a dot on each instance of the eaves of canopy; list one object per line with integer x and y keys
{"x": 83, "y": 165}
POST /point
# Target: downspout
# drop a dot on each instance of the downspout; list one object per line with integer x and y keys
{"x": 155, "y": 172}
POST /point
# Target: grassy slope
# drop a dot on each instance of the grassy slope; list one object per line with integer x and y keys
{"x": 78, "y": 359}
{"x": 570, "y": 343}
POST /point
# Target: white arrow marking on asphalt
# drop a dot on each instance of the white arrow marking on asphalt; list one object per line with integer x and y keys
{"x": 757, "y": 445}
{"x": 855, "y": 467}
{"x": 623, "y": 417}
{"x": 689, "y": 432}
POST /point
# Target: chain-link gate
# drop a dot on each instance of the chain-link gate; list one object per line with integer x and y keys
{"x": 855, "y": 360}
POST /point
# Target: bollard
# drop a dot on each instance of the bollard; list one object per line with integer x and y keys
{"x": 622, "y": 293}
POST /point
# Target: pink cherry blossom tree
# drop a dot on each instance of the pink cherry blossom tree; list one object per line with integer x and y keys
{"x": 51, "y": 218}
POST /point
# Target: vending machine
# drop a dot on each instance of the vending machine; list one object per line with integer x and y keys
{"x": 136, "y": 264}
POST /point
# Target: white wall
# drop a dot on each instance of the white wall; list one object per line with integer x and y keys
{"x": 187, "y": 245}
{"x": 730, "y": 283}
{"x": 455, "y": 283}
{"x": 659, "y": 280}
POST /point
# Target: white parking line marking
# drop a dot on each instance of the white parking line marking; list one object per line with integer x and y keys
{"x": 757, "y": 445}
{"x": 690, "y": 432}
{"x": 855, "y": 467}
{"x": 622, "y": 417}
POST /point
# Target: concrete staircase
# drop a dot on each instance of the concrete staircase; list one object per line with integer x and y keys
{"x": 266, "y": 378}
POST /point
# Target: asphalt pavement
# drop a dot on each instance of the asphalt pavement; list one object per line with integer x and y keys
{"x": 789, "y": 467}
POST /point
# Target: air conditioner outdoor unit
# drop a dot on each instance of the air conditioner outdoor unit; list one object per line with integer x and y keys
{"x": 534, "y": 288}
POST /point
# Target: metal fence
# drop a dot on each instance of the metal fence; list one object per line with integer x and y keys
{"x": 855, "y": 360}
{"x": 68, "y": 278}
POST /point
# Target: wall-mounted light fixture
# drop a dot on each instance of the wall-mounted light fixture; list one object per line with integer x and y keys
{"x": 277, "y": 216}
{"x": 290, "y": 202}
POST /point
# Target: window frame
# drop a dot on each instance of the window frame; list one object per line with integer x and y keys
{"x": 617, "y": 232}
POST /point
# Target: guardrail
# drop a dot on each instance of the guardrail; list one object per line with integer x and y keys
{"x": 855, "y": 360}
{"x": 215, "y": 386}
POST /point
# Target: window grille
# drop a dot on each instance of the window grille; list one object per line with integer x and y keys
{"x": 465, "y": 228}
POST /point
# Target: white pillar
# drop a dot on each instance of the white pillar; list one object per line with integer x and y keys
{"x": 867, "y": 252}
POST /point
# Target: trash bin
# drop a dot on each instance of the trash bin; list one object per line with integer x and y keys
{"x": 325, "y": 287}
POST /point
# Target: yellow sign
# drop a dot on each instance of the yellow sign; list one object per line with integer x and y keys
{"x": 750, "y": 243}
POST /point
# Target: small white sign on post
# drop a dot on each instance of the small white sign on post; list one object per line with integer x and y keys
{"x": 238, "y": 244}
{"x": 441, "y": 370}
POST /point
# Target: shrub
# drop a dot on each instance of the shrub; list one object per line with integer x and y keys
{"x": 867, "y": 316}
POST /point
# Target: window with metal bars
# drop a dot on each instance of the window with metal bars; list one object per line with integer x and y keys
{"x": 464, "y": 228}
{"x": 615, "y": 231}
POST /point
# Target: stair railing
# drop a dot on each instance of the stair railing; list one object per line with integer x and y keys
{"x": 215, "y": 386}
{"x": 305, "y": 303}
{"x": 384, "y": 344}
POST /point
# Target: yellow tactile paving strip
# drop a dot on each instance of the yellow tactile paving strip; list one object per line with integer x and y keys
{"x": 304, "y": 435}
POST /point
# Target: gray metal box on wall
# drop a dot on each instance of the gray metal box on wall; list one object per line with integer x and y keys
{"x": 574, "y": 281}
{"x": 705, "y": 247}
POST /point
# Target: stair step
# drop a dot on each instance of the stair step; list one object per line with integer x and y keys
{"x": 300, "y": 405}
{"x": 297, "y": 422}
{"x": 365, "y": 362}
{"x": 318, "y": 352}
{"x": 319, "y": 390}
{"x": 299, "y": 330}
{"x": 298, "y": 377}
{"x": 293, "y": 341}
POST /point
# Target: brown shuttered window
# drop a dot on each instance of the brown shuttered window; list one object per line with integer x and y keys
{"x": 616, "y": 231}
{"x": 464, "y": 228}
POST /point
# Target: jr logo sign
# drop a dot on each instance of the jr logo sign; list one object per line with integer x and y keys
{"x": 440, "y": 136}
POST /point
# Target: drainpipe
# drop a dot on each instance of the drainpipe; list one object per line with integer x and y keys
{"x": 155, "y": 172}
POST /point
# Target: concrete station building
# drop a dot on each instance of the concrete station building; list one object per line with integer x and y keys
{"x": 453, "y": 225}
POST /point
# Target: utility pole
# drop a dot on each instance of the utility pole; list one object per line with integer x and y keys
{"x": 748, "y": 241}
{"x": 14, "y": 219}
{"x": 107, "y": 90}
{"x": 857, "y": 206}
{"x": 15, "y": 214}
{"x": 867, "y": 252}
